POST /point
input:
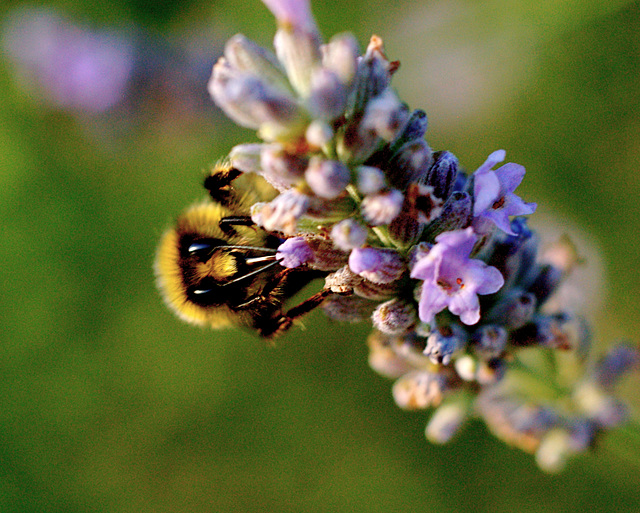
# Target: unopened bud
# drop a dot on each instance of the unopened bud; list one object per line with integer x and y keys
{"x": 394, "y": 316}
{"x": 280, "y": 168}
{"x": 245, "y": 55}
{"x": 444, "y": 342}
{"x": 327, "y": 178}
{"x": 446, "y": 421}
{"x": 328, "y": 96}
{"x": 349, "y": 234}
{"x": 418, "y": 390}
{"x": 490, "y": 341}
{"x": 410, "y": 164}
{"x": 442, "y": 174}
{"x": 377, "y": 265}
{"x": 382, "y": 208}
{"x": 370, "y": 180}
{"x": 340, "y": 55}
{"x": 384, "y": 115}
{"x": 246, "y": 157}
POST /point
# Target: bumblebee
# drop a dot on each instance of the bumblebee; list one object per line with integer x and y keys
{"x": 217, "y": 268}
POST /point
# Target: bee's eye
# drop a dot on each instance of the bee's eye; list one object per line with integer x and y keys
{"x": 205, "y": 293}
{"x": 200, "y": 247}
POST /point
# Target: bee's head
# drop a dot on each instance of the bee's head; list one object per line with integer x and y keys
{"x": 203, "y": 276}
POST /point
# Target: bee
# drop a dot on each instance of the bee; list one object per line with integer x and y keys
{"x": 217, "y": 268}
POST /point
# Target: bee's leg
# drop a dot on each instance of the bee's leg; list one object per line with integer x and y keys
{"x": 307, "y": 305}
{"x": 228, "y": 224}
{"x": 285, "y": 321}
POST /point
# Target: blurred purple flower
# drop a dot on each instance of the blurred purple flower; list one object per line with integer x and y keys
{"x": 493, "y": 191}
{"x": 453, "y": 280}
{"x": 74, "y": 67}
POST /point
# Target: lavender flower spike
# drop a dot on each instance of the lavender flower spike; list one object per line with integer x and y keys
{"x": 493, "y": 191}
{"x": 453, "y": 280}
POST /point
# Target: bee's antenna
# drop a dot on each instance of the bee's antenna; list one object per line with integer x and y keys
{"x": 252, "y": 248}
{"x": 252, "y": 273}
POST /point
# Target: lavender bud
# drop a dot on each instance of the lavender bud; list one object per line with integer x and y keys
{"x": 394, "y": 316}
{"x": 327, "y": 178}
{"x": 418, "y": 209}
{"x": 326, "y": 256}
{"x": 383, "y": 358}
{"x": 349, "y": 234}
{"x": 319, "y": 133}
{"x": 246, "y": 157}
{"x": 299, "y": 53}
{"x": 558, "y": 331}
{"x": 443, "y": 343}
{"x": 376, "y": 291}
{"x": 490, "y": 341}
{"x": 377, "y": 265}
{"x": 294, "y": 252}
{"x": 373, "y": 75}
{"x": 410, "y": 164}
{"x": 342, "y": 281}
{"x": 466, "y": 367}
{"x": 328, "y": 96}
{"x": 513, "y": 311}
{"x": 455, "y": 215}
{"x": 245, "y": 55}
{"x": 279, "y": 168}
{"x": 605, "y": 410}
{"x": 370, "y": 180}
{"x": 282, "y": 213}
{"x": 418, "y": 390}
{"x": 443, "y": 173}
{"x": 446, "y": 421}
{"x": 382, "y": 208}
{"x": 514, "y": 254}
{"x": 554, "y": 450}
{"x": 384, "y": 116}
{"x": 547, "y": 280}
{"x": 414, "y": 128}
{"x": 296, "y": 14}
{"x": 340, "y": 55}
{"x": 616, "y": 363}
{"x": 350, "y": 308}
{"x": 253, "y": 103}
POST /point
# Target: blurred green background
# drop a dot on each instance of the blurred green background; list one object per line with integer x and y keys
{"x": 110, "y": 404}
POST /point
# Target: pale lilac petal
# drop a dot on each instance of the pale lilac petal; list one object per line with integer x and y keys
{"x": 487, "y": 279}
{"x": 500, "y": 218}
{"x": 459, "y": 241}
{"x": 425, "y": 268}
{"x": 514, "y": 206}
{"x": 495, "y": 158}
{"x": 486, "y": 190}
{"x": 510, "y": 176}
{"x": 467, "y": 306}
{"x": 432, "y": 301}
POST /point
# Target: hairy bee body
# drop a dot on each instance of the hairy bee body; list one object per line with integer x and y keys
{"x": 217, "y": 268}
